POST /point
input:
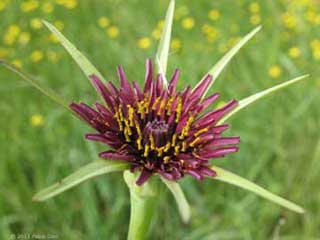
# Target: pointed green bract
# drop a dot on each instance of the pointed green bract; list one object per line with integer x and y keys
{"x": 85, "y": 65}
{"x": 251, "y": 99}
{"x": 183, "y": 205}
{"x": 30, "y": 80}
{"x": 91, "y": 170}
{"x": 164, "y": 44}
{"x": 223, "y": 62}
{"x": 228, "y": 177}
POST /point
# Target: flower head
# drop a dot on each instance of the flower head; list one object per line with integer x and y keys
{"x": 159, "y": 130}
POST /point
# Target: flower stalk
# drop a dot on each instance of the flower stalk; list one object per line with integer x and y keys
{"x": 142, "y": 203}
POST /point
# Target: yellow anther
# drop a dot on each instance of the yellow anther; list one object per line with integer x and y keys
{"x": 146, "y": 150}
{"x": 128, "y": 127}
{"x": 126, "y": 134}
{"x": 131, "y": 115}
{"x": 169, "y": 105}
{"x": 181, "y": 161}
{"x": 160, "y": 151}
{"x": 184, "y": 146}
{"x": 120, "y": 113}
{"x": 138, "y": 128}
{"x": 116, "y": 115}
{"x": 162, "y": 104}
{"x": 194, "y": 142}
{"x": 176, "y": 150}
{"x": 174, "y": 140}
{"x": 147, "y": 103}
{"x": 166, "y": 159}
{"x": 139, "y": 140}
{"x": 203, "y": 130}
{"x": 186, "y": 128}
{"x": 152, "y": 143}
{"x": 156, "y": 103}
{"x": 167, "y": 147}
{"x": 178, "y": 110}
{"x": 140, "y": 109}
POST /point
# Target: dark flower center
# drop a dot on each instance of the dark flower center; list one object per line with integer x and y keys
{"x": 156, "y": 132}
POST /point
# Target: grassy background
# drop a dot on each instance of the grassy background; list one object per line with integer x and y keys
{"x": 280, "y": 147}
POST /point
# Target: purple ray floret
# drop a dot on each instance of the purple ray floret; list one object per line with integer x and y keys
{"x": 157, "y": 129}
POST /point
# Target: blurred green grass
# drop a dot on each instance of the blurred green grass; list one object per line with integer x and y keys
{"x": 280, "y": 146}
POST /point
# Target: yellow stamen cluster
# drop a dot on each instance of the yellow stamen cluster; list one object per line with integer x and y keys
{"x": 143, "y": 106}
{"x": 130, "y": 126}
{"x": 186, "y": 128}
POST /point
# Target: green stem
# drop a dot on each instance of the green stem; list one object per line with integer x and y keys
{"x": 142, "y": 199}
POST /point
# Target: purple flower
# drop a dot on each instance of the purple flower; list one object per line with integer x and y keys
{"x": 159, "y": 129}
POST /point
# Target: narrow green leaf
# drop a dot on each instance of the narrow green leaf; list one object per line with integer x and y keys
{"x": 30, "y": 80}
{"x": 164, "y": 44}
{"x": 251, "y": 99}
{"x": 183, "y": 205}
{"x": 228, "y": 177}
{"x": 85, "y": 65}
{"x": 89, "y": 171}
{"x": 223, "y": 62}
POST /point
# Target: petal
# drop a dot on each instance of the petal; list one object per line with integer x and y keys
{"x": 144, "y": 176}
{"x": 116, "y": 156}
{"x": 219, "y": 152}
{"x": 173, "y": 82}
{"x": 149, "y": 76}
{"x": 201, "y": 88}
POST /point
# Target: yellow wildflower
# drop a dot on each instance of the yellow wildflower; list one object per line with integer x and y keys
{"x": 103, "y": 22}
{"x": 30, "y": 5}
{"x": 113, "y": 32}
{"x": 289, "y": 20}
{"x": 53, "y": 38}
{"x": 11, "y": 35}
{"x": 313, "y": 17}
{"x": 36, "y": 56}
{"x": 144, "y": 43}
{"x": 37, "y": 120}
{"x": 70, "y": 4}
{"x": 316, "y": 53}
{"x": 187, "y": 23}
{"x": 24, "y": 38}
{"x": 156, "y": 34}
{"x": 59, "y": 25}
{"x": 47, "y": 7}
{"x": 214, "y": 14}
{"x": 275, "y": 71}
{"x": 176, "y": 44}
{"x": 294, "y": 52}
{"x": 315, "y": 43}
{"x": 36, "y": 23}
{"x": 254, "y": 7}
{"x": 3, "y": 5}
{"x": 17, "y": 63}
{"x": 255, "y": 19}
